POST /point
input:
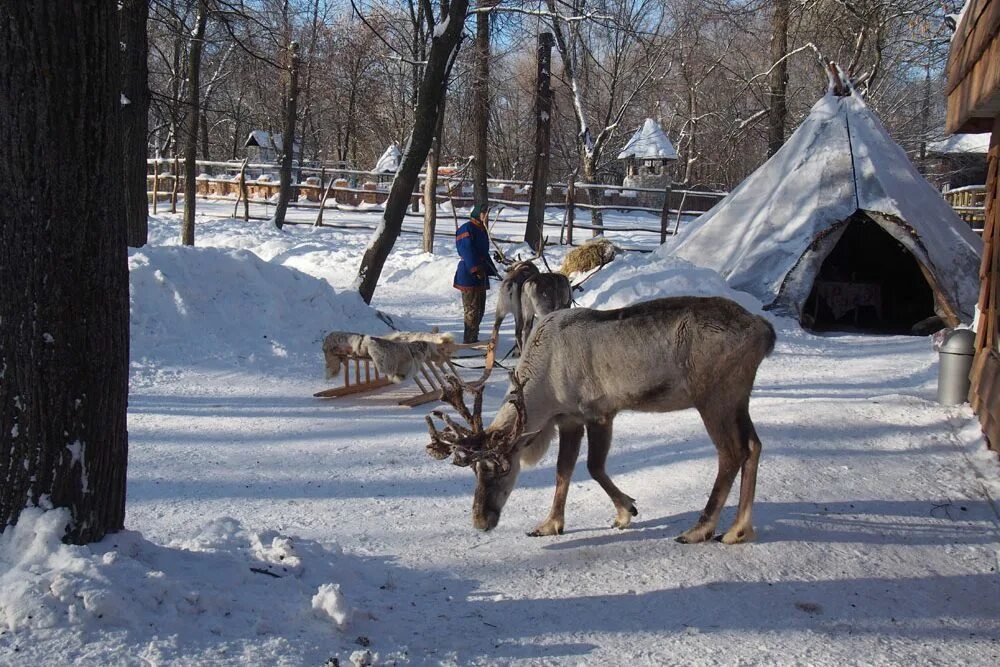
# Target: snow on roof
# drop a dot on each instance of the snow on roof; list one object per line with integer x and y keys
{"x": 265, "y": 139}
{"x": 649, "y": 143}
{"x": 961, "y": 143}
{"x": 841, "y": 159}
{"x": 390, "y": 160}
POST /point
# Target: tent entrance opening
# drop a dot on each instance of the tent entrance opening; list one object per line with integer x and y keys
{"x": 869, "y": 282}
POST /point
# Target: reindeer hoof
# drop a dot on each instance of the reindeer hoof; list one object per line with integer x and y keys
{"x": 694, "y": 536}
{"x": 546, "y": 529}
{"x": 741, "y": 536}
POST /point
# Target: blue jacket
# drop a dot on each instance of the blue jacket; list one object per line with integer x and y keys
{"x": 473, "y": 246}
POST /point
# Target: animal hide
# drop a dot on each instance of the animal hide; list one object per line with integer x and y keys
{"x": 397, "y": 356}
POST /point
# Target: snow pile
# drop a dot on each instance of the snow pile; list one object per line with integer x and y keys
{"x": 634, "y": 278}
{"x": 329, "y": 602}
{"x": 230, "y": 306}
{"x": 221, "y": 584}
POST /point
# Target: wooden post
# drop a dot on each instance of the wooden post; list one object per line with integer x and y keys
{"x": 239, "y": 195}
{"x": 173, "y": 194}
{"x": 322, "y": 201}
{"x": 570, "y": 210}
{"x": 680, "y": 211}
{"x": 543, "y": 125}
{"x": 156, "y": 182}
{"x": 665, "y": 215}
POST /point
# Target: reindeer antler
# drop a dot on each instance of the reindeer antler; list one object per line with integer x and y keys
{"x": 471, "y": 444}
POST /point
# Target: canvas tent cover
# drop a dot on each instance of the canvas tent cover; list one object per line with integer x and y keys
{"x": 389, "y": 162}
{"x": 769, "y": 237}
{"x": 649, "y": 143}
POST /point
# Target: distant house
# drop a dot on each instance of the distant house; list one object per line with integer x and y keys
{"x": 958, "y": 160}
{"x": 646, "y": 155}
{"x": 265, "y": 148}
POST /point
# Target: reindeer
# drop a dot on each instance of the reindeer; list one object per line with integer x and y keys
{"x": 541, "y": 294}
{"x": 582, "y": 367}
{"x": 529, "y": 294}
{"x": 509, "y": 296}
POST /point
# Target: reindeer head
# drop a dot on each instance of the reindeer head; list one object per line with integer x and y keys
{"x": 490, "y": 452}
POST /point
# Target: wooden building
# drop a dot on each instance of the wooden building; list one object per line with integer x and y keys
{"x": 974, "y": 106}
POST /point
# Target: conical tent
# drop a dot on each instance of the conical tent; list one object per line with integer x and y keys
{"x": 390, "y": 160}
{"x": 838, "y": 178}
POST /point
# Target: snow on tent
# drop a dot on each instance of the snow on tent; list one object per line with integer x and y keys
{"x": 389, "y": 162}
{"x": 839, "y": 230}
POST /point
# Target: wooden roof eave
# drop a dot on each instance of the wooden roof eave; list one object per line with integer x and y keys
{"x": 974, "y": 69}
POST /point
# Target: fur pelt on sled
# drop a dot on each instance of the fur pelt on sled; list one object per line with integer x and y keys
{"x": 397, "y": 356}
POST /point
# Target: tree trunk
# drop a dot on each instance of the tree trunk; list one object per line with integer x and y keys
{"x": 132, "y": 19}
{"x": 777, "y": 115}
{"x": 431, "y": 95}
{"x": 594, "y": 195}
{"x": 533, "y": 230}
{"x": 191, "y": 135}
{"x": 288, "y": 137}
{"x": 64, "y": 303}
{"x": 430, "y": 183}
{"x": 481, "y": 104}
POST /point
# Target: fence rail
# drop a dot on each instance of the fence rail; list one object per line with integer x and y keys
{"x": 335, "y": 188}
{"x": 969, "y": 203}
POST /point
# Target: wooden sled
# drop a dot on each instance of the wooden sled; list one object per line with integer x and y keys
{"x": 367, "y": 378}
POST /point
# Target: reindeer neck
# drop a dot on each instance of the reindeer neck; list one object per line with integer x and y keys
{"x": 536, "y": 419}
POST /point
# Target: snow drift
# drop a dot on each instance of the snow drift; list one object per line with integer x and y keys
{"x": 220, "y": 585}
{"x": 207, "y": 305}
{"x": 632, "y": 279}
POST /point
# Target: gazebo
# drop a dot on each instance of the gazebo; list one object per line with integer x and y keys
{"x": 646, "y": 156}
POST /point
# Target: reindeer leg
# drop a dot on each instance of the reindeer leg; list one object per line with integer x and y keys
{"x": 570, "y": 436}
{"x": 742, "y": 529}
{"x": 724, "y": 432}
{"x": 598, "y": 444}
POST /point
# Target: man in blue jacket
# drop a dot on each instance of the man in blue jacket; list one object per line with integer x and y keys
{"x": 472, "y": 277}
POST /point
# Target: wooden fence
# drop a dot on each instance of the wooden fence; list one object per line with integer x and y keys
{"x": 970, "y": 204}
{"x": 360, "y": 191}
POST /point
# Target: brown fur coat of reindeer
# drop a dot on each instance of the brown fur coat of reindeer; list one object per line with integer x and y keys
{"x": 581, "y": 367}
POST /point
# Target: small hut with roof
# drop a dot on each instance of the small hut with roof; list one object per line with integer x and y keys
{"x": 646, "y": 156}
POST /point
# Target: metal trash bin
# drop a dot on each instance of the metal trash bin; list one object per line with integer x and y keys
{"x": 957, "y": 351}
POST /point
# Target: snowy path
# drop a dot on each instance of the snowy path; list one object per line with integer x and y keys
{"x": 876, "y": 541}
{"x": 876, "y": 544}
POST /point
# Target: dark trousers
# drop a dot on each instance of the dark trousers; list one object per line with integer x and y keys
{"x": 474, "y": 305}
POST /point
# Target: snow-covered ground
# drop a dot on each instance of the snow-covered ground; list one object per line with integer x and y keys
{"x": 268, "y": 527}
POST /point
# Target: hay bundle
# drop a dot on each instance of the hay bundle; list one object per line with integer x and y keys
{"x": 590, "y": 255}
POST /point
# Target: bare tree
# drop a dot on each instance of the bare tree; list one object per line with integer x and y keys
{"x": 133, "y": 16}
{"x": 192, "y": 118}
{"x": 288, "y": 135}
{"x": 447, "y": 35}
{"x": 65, "y": 301}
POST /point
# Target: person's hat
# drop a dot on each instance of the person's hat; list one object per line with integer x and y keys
{"x": 477, "y": 210}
